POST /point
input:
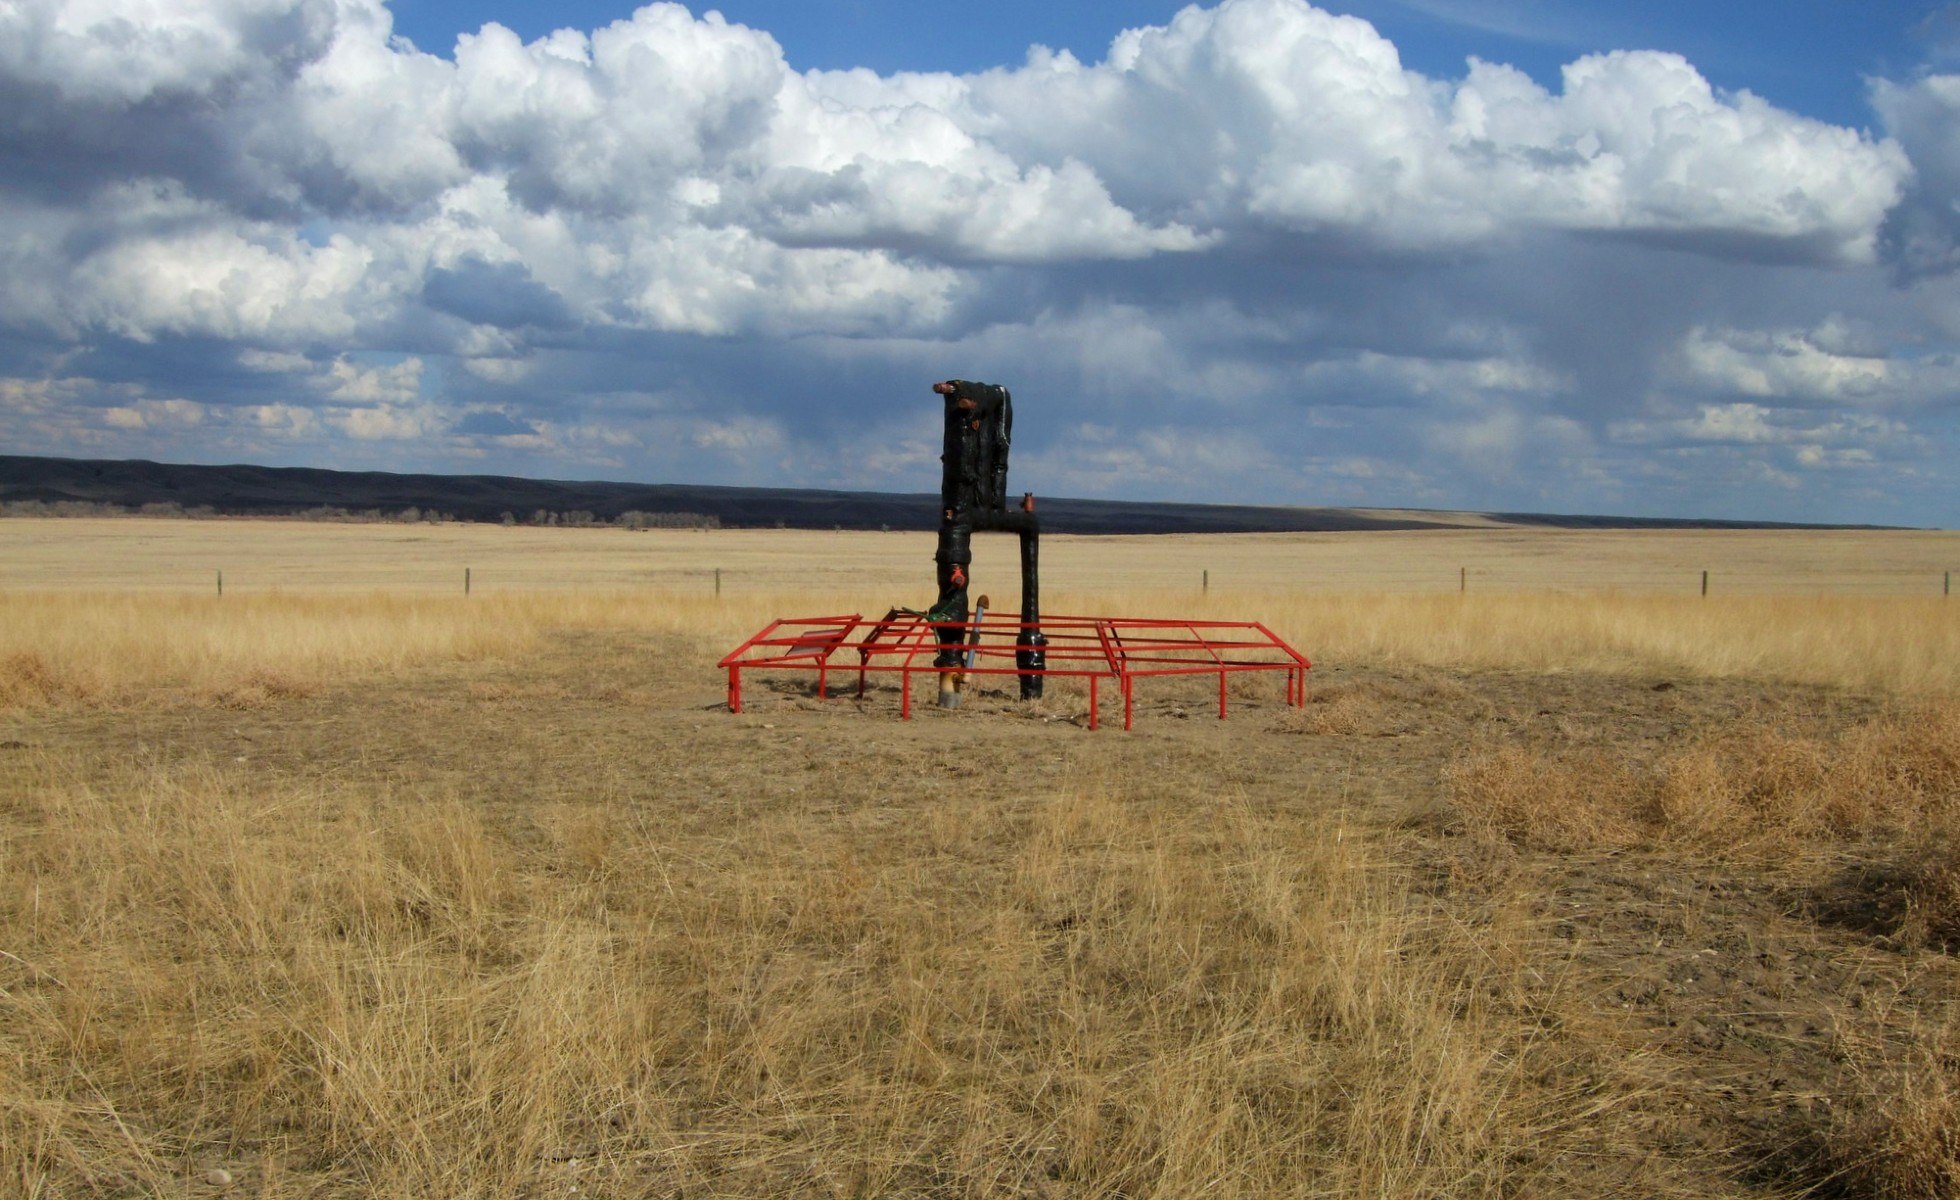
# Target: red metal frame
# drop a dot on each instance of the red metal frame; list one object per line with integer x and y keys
{"x": 1123, "y": 649}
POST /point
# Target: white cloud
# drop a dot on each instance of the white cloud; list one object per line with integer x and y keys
{"x": 391, "y": 422}
{"x": 181, "y": 267}
{"x": 349, "y": 383}
{"x": 364, "y": 124}
{"x": 500, "y": 370}
{"x": 154, "y": 414}
{"x": 1250, "y": 241}
{"x": 286, "y": 420}
{"x": 1829, "y": 364}
{"x": 112, "y": 51}
{"x": 273, "y": 362}
{"x": 676, "y": 173}
{"x": 1779, "y": 363}
{"x": 1801, "y": 440}
{"x": 1374, "y": 373}
{"x": 724, "y": 281}
{"x": 1270, "y": 112}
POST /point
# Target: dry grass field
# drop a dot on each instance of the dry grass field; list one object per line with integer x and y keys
{"x": 294, "y": 556}
{"x": 344, "y": 884}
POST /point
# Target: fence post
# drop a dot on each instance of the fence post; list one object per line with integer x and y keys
{"x": 466, "y": 581}
{"x": 1704, "y": 583}
{"x": 1207, "y": 579}
{"x": 1462, "y": 580}
{"x": 221, "y": 583}
{"x": 717, "y": 581}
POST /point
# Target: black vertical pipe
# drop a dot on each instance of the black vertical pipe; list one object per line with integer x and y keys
{"x": 958, "y": 497}
{"x": 1029, "y": 653}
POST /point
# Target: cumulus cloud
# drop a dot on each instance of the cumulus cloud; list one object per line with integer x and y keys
{"x": 1809, "y": 369}
{"x": 710, "y": 188}
{"x": 1780, "y": 363}
{"x": 151, "y": 414}
{"x": 1302, "y": 120}
{"x": 1839, "y": 440}
{"x": 1238, "y": 237}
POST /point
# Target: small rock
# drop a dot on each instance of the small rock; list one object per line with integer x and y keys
{"x": 218, "y": 1177}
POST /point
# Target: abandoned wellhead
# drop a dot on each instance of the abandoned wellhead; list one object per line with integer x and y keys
{"x": 957, "y": 640}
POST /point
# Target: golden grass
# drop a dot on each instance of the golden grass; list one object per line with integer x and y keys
{"x": 358, "y": 979}
{"x": 69, "y": 647}
{"x": 258, "y": 556}
{"x": 1875, "y": 643}
{"x": 97, "y": 608}
{"x": 336, "y": 991}
{"x": 1899, "y": 1136}
{"x": 107, "y": 648}
{"x": 1753, "y": 788}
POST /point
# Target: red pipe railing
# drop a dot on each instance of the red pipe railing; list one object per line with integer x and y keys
{"x": 1124, "y": 649}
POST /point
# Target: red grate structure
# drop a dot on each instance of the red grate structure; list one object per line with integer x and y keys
{"x": 1119, "y": 649}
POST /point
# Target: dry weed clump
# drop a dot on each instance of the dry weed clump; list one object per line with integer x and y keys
{"x": 1899, "y": 1136}
{"x": 1933, "y": 896}
{"x": 323, "y": 990}
{"x": 1377, "y": 708}
{"x": 1551, "y": 802}
{"x": 1912, "y": 894}
{"x": 27, "y": 680}
{"x": 258, "y": 687}
{"x": 1753, "y": 788}
{"x": 1341, "y": 712}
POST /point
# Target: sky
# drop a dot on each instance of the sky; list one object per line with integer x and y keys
{"x": 1649, "y": 259}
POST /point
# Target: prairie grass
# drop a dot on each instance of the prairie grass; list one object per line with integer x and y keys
{"x": 87, "y": 647}
{"x": 104, "y": 609}
{"x": 327, "y": 973}
{"x": 1879, "y": 643}
{"x": 107, "y": 647}
{"x": 338, "y": 991}
{"x": 1752, "y": 789}
{"x": 256, "y": 556}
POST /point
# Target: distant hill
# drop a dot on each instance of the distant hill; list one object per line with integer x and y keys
{"x": 242, "y": 490}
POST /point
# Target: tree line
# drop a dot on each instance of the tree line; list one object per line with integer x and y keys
{"x": 412, "y": 515}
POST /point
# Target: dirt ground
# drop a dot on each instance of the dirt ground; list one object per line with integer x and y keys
{"x": 1740, "y": 988}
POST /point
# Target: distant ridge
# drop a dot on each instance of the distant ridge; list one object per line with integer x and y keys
{"x": 244, "y": 490}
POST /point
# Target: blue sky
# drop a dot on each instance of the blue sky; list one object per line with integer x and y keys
{"x": 1661, "y": 259}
